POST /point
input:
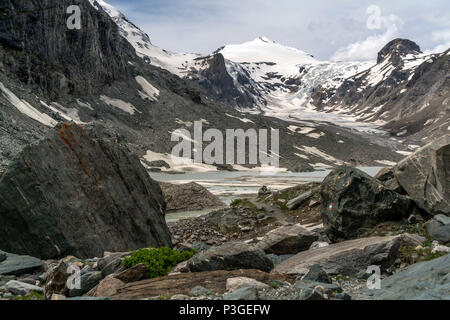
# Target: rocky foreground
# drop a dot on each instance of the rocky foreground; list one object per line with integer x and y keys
{"x": 310, "y": 242}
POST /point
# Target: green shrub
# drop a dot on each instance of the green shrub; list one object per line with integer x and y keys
{"x": 158, "y": 261}
{"x": 243, "y": 203}
{"x": 235, "y": 202}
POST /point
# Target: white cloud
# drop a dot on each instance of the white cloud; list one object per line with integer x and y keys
{"x": 321, "y": 28}
{"x": 442, "y": 37}
{"x": 368, "y": 48}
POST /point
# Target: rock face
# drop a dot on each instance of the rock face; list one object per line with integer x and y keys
{"x": 347, "y": 258}
{"x": 73, "y": 193}
{"x": 353, "y": 202}
{"x": 422, "y": 281}
{"x": 425, "y": 175}
{"x": 189, "y": 197}
{"x": 77, "y": 64}
{"x": 287, "y": 240}
{"x": 397, "y": 48}
{"x": 230, "y": 256}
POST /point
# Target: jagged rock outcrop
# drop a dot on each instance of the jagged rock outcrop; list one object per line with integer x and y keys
{"x": 425, "y": 176}
{"x": 353, "y": 202}
{"x": 397, "y": 48}
{"x": 215, "y": 80}
{"x": 38, "y": 47}
{"x": 74, "y": 193}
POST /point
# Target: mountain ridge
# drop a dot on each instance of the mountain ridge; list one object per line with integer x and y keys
{"x": 284, "y": 82}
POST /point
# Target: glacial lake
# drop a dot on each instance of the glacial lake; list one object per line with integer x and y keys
{"x": 232, "y": 185}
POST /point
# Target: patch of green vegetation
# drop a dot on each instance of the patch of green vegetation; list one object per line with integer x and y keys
{"x": 411, "y": 255}
{"x": 275, "y": 284}
{"x": 33, "y": 295}
{"x": 341, "y": 277}
{"x": 242, "y": 203}
{"x": 158, "y": 261}
{"x": 396, "y": 228}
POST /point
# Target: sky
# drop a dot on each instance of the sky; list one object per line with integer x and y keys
{"x": 328, "y": 29}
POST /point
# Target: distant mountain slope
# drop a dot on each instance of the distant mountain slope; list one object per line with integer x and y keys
{"x": 406, "y": 93}
{"x": 94, "y": 77}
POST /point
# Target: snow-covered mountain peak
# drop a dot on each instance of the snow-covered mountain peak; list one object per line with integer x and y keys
{"x": 263, "y": 49}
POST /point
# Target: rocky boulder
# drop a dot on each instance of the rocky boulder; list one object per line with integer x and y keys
{"x": 74, "y": 193}
{"x": 346, "y": 258}
{"x": 189, "y": 197}
{"x": 439, "y": 228}
{"x": 287, "y": 240}
{"x": 230, "y": 256}
{"x": 422, "y": 281}
{"x": 21, "y": 288}
{"x": 112, "y": 263}
{"x": 388, "y": 179}
{"x": 12, "y": 264}
{"x": 353, "y": 202}
{"x": 301, "y": 199}
{"x": 425, "y": 176}
{"x": 316, "y": 273}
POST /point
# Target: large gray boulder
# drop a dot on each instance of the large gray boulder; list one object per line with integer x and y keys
{"x": 425, "y": 176}
{"x": 230, "y": 256}
{"x": 422, "y": 281}
{"x": 354, "y": 202}
{"x": 346, "y": 258}
{"x": 439, "y": 228}
{"x": 74, "y": 193}
{"x": 287, "y": 240}
{"x": 21, "y": 288}
{"x": 13, "y": 264}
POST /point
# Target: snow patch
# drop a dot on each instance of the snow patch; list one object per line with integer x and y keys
{"x": 26, "y": 108}
{"x": 177, "y": 164}
{"x": 318, "y": 153}
{"x": 119, "y": 104}
{"x": 405, "y": 153}
{"x": 245, "y": 120}
{"x": 150, "y": 91}
{"x": 69, "y": 114}
{"x": 386, "y": 162}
